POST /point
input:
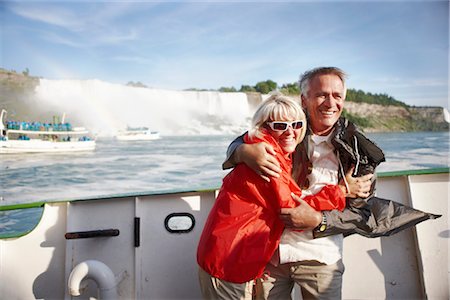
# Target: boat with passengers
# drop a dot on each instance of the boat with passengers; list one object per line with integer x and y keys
{"x": 31, "y": 137}
{"x": 137, "y": 134}
{"x": 74, "y": 249}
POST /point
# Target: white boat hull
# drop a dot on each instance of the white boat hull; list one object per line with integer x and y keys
{"x": 36, "y": 145}
{"x": 150, "y": 262}
{"x": 138, "y": 137}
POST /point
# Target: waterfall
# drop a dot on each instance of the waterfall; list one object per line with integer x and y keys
{"x": 446, "y": 115}
{"x": 105, "y": 108}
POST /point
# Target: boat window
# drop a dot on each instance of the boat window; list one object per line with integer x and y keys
{"x": 179, "y": 222}
{"x": 18, "y": 222}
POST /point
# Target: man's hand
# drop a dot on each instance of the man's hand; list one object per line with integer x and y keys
{"x": 260, "y": 157}
{"x": 301, "y": 217}
{"x": 358, "y": 186}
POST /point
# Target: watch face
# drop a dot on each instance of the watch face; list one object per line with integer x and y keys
{"x": 322, "y": 227}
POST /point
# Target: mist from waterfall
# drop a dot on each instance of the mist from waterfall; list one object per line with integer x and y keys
{"x": 105, "y": 108}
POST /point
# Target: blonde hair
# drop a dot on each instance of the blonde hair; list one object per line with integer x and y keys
{"x": 276, "y": 108}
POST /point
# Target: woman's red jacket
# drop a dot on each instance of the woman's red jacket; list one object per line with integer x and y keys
{"x": 243, "y": 228}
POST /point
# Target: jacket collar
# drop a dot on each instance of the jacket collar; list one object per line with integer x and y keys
{"x": 317, "y": 139}
{"x": 339, "y": 129}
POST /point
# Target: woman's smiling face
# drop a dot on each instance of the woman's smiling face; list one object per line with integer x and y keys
{"x": 290, "y": 137}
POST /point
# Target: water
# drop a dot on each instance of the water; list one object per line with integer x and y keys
{"x": 171, "y": 163}
{"x": 413, "y": 150}
{"x": 174, "y": 162}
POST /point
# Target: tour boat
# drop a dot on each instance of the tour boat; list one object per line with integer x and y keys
{"x": 30, "y": 137}
{"x": 75, "y": 249}
{"x": 137, "y": 134}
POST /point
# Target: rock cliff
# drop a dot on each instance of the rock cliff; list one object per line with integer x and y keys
{"x": 380, "y": 118}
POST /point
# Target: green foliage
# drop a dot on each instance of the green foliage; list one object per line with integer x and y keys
{"x": 358, "y": 121}
{"x": 290, "y": 89}
{"x": 196, "y": 90}
{"x": 227, "y": 89}
{"x": 362, "y": 97}
{"x": 136, "y": 84}
{"x": 247, "y": 88}
{"x": 265, "y": 87}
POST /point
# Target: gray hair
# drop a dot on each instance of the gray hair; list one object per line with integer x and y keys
{"x": 306, "y": 78}
{"x": 276, "y": 108}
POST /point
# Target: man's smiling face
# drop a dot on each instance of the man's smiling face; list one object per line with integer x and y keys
{"x": 324, "y": 102}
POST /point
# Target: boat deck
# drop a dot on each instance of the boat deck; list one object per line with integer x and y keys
{"x": 140, "y": 239}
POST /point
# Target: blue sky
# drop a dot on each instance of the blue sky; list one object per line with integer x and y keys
{"x": 400, "y": 48}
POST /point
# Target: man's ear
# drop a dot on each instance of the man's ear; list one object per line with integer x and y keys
{"x": 303, "y": 99}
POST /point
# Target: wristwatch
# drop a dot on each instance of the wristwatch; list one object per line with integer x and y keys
{"x": 323, "y": 225}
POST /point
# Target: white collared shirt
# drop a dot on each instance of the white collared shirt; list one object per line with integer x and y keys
{"x": 297, "y": 246}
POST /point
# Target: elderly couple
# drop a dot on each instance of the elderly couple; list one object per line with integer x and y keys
{"x": 296, "y": 189}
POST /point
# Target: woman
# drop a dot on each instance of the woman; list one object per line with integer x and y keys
{"x": 243, "y": 228}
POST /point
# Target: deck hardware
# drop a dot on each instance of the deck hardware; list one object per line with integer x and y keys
{"x": 98, "y": 272}
{"x": 91, "y": 234}
{"x": 179, "y": 222}
{"x": 137, "y": 232}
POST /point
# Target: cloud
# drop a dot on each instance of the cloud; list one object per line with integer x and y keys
{"x": 63, "y": 40}
{"x": 83, "y": 25}
{"x": 57, "y": 16}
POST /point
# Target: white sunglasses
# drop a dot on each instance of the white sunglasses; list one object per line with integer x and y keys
{"x": 283, "y": 126}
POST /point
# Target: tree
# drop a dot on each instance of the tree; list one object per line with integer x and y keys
{"x": 227, "y": 89}
{"x": 247, "y": 88}
{"x": 382, "y": 99}
{"x": 136, "y": 84}
{"x": 290, "y": 89}
{"x": 265, "y": 87}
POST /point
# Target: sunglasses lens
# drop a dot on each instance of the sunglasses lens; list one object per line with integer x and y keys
{"x": 297, "y": 125}
{"x": 279, "y": 126}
